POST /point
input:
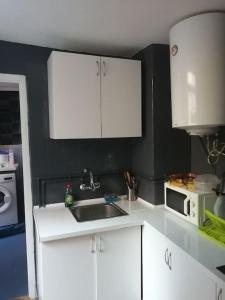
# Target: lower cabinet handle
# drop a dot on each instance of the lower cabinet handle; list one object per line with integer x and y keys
{"x": 219, "y": 296}
{"x": 166, "y": 257}
{"x": 104, "y": 68}
{"x": 100, "y": 244}
{"x": 93, "y": 244}
{"x": 98, "y": 68}
{"x": 170, "y": 261}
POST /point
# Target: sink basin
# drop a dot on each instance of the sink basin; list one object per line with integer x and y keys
{"x": 96, "y": 212}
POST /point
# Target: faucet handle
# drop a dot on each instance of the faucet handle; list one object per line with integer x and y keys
{"x": 96, "y": 186}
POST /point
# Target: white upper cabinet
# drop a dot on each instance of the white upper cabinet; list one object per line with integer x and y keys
{"x": 93, "y": 96}
{"x": 120, "y": 97}
{"x": 74, "y": 96}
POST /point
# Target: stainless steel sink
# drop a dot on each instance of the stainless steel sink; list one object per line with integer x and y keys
{"x": 96, "y": 212}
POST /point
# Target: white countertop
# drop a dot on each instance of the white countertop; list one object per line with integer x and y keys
{"x": 57, "y": 222}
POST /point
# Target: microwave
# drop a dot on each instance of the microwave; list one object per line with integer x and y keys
{"x": 189, "y": 205}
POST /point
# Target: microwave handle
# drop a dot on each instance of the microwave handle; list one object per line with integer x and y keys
{"x": 186, "y": 204}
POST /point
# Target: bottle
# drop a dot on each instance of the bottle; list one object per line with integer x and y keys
{"x": 11, "y": 157}
{"x": 69, "y": 200}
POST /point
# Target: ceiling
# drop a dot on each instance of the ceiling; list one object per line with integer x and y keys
{"x": 111, "y": 27}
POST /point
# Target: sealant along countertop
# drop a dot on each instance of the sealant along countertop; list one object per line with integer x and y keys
{"x": 57, "y": 222}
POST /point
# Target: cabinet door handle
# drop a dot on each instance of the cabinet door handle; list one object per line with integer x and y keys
{"x": 93, "y": 244}
{"x": 166, "y": 257}
{"x": 98, "y": 68}
{"x": 104, "y": 68}
{"x": 219, "y": 296}
{"x": 100, "y": 244}
{"x": 170, "y": 261}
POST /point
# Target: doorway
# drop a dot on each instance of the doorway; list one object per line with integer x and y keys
{"x": 16, "y": 220}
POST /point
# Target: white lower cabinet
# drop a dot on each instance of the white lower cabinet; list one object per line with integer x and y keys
{"x": 169, "y": 273}
{"x": 103, "y": 266}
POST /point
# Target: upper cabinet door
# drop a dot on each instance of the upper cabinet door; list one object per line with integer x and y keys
{"x": 120, "y": 97}
{"x": 74, "y": 96}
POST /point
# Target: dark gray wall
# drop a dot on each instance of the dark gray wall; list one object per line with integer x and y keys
{"x": 159, "y": 152}
{"x": 50, "y": 158}
{"x": 162, "y": 150}
{"x": 17, "y": 150}
{"x": 199, "y": 163}
{"x": 9, "y": 118}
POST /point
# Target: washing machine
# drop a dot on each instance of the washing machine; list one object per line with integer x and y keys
{"x": 8, "y": 199}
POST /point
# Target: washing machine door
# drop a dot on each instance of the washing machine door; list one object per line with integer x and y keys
{"x": 5, "y": 199}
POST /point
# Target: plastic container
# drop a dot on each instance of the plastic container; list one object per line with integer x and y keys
{"x": 11, "y": 157}
{"x": 206, "y": 182}
{"x": 110, "y": 198}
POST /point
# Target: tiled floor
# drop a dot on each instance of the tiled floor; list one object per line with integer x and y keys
{"x": 13, "y": 266}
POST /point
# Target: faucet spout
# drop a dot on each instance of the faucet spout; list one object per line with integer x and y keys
{"x": 93, "y": 186}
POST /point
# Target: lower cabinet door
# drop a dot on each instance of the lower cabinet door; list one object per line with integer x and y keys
{"x": 171, "y": 274}
{"x": 119, "y": 264}
{"x": 68, "y": 269}
{"x": 189, "y": 280}
{"x": 156, "y": 280}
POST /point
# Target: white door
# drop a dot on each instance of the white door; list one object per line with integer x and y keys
{"x": 156, "y": 273}
{"x": 119, "y": 264}
{"x": 189, "y": 279}
{"x": 120, "y": 97}
{"x": 69, "y": 269}
{"x": 74, "y": 95}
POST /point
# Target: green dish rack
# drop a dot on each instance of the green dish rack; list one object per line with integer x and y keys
{"x": 213, "y": 228}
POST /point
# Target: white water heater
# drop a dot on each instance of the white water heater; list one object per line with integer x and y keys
{"x": 197, "y": 57}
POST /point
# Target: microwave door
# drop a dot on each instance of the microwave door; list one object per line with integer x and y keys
{"x": 178, "y": 202}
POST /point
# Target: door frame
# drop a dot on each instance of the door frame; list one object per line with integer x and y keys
{"x": 20, "y": 80}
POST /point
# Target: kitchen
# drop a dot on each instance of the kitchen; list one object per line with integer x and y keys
{"x": 54, "y": 162}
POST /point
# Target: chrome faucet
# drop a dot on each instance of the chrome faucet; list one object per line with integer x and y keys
{"x": 93, "y": 186}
